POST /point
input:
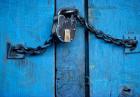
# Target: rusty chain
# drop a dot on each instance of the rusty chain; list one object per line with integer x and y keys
{"x": 33, "y": 51}
{"x": 128, "y": 43}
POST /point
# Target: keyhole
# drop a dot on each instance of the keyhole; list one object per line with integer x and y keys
{"x": 67, "y": 35}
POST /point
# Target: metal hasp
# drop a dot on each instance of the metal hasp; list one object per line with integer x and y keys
{"x": 136, "y": 37}
{"x": 19, "y": 51}
{"x": 12, "y": 54}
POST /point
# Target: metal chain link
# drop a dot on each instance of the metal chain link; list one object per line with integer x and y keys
{"x": 128, "y": 43}
{"x": 33, "y": 51}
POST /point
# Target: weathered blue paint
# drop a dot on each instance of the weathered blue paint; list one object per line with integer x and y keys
{"x": 28, "y": 22}
{"x": 70, "y": 59}
{"x": 111, "y": 70}
{"x": 113, "y": 73}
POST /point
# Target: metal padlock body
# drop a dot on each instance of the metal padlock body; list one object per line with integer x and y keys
{"x": 65, "y": 27}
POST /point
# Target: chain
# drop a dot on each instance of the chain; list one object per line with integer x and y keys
{"x": 33, "y": 51}
{"x": 128, "y": 43}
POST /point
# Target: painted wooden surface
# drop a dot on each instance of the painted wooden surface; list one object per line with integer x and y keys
{"x": 111, "y": 70}
{"x": 28, "y": 22}
{"x": 70, "y": 59}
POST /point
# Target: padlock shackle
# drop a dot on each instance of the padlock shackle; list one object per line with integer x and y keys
{"x": 68, "y": 12}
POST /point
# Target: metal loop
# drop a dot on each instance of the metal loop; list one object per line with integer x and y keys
{"x": 68, "y": 12}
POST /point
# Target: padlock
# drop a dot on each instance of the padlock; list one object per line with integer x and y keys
{"x": 65, "y": 26}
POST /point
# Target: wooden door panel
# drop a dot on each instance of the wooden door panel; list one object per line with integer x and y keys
{"x": 70, "y": 58}
{"x": 26, "y": 22}
{"x": 111, "y": 70}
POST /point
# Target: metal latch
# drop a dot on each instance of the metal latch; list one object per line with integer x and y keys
{"x": 136, "y": 37}
{"x": 12, "y": 54}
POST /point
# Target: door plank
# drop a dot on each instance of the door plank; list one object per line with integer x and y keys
{"x": 27, "y": 22}
{"x": 111, "y": 69}
{"x": 70, "y": 59}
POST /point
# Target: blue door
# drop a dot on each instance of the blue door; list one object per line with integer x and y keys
{"x": 86, "y": 67}
{"x": 70, "y": 58}
{"x": 114, "y": 71}
{"x": 26, "y": 22}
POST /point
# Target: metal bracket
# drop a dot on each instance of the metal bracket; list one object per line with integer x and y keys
{"x": 133, "y": 36}
{"x": 11, "y": 54}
